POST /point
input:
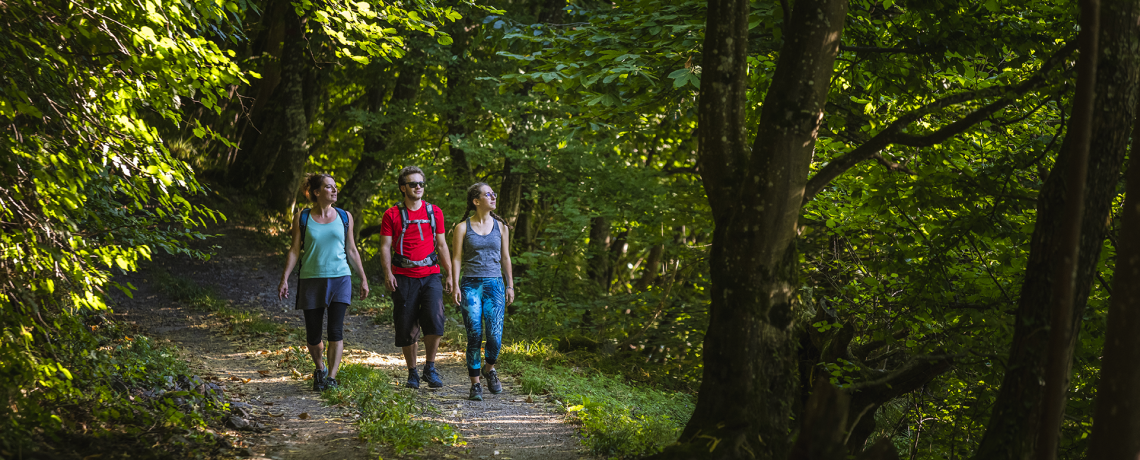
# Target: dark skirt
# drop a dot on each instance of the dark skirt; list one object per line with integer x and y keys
{"x": 321, "y": 292}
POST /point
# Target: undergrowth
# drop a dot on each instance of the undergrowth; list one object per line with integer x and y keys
{"x": 388, "y": 416}
{"x": 618, "y": 420}
{"x": 111, "y": 393}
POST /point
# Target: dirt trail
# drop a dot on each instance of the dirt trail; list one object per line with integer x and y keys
{"x": 297, "y": 423}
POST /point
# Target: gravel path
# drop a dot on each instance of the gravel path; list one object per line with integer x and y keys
{"x": 296, "y": 423}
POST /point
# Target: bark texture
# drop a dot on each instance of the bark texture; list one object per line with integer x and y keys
{"x": 376, "y": 161}
{"x": 750, "y": 374}
{"x": 276, "y": 156}
{"x": 1013, "y": 427}
{"x": 1116, "y": 420}
{"x": 459, "y": 101}
{"x": 1058, "y": 363}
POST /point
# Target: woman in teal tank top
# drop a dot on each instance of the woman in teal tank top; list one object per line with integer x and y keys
{"x": 323, "y": 244}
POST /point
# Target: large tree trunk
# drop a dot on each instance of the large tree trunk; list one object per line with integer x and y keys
{"x": 1116, "y": 422}
{"x": 275, "y": 160}
{"x": 459, "y": 90}
{"x": 1059, "y": 361}
{"x": 376, "y": 160}
{"x": 302, "y": 87}
{"x": 750, "y": 377}
{"x": 510, "y": 190}
{"x": 1012, "y": 430}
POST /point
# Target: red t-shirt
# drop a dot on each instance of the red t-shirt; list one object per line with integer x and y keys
{"x": 414, "y": 248}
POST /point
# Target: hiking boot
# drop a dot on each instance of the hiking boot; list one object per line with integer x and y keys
{"x": 476, "y": 392}
{"x": 319, "y": 379}
{"x": 493, "y": 382}
{"x": 431, "y": 376}
{"x": 331, "y": 383}
{"x": 413, "y": 379}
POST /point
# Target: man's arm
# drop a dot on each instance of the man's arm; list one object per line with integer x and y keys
{"x": 444, "y": 260}
{"x": 386, "y": 261}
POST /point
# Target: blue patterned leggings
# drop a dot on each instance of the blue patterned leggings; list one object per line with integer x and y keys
{"x": 484, "y": 303}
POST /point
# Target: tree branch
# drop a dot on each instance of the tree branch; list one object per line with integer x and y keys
{"x": 893, "y": 134}
{"x": 907, "y": 378}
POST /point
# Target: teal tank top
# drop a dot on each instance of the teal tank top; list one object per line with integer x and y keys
{"x": 323, "y": 255}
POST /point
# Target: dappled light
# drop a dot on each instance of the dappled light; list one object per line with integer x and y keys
{"x": 664, "y": 229}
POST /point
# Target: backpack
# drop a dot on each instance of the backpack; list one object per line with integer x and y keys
{"x": 305, "y": 225}
{"x": 398, "y": 258}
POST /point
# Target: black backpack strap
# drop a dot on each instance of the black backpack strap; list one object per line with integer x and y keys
{"x": 431, "y": 217}
{"x": 403, "y": 227}
{"x": 343, "y": 218}
{"x": 304, "y": 224}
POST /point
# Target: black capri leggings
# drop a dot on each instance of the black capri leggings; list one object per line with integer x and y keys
{"x": 314, "y": 317}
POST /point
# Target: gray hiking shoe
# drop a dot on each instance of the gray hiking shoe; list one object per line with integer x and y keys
{"x": 476, "y": 392}
{"x": 493, "y": 382}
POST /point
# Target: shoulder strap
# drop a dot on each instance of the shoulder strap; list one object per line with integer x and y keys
{"x": 431, "y": 217}
{"x": 403, "y": 226}
{"x": 343, "y": 218}
{"x": 304, "y": 224}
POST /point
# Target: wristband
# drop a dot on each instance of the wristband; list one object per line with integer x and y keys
{"x": 511, "y": 287}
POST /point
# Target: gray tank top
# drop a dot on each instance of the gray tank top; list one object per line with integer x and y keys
{"x": 482, "y": 253}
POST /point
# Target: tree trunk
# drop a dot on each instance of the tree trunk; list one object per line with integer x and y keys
{"x": 598, "y": 252}
{"x": 459, "y": 90}
{"x": 1068, "y": 246}
{"x": 652, "y": 267}
{"x": 275, "y": 160}
{"x": 1013, "y": 427}
{"x": 510, "y": 191}
{"x": 1116, "y": 421}
{"x": 376, "y": 160}
{"x": 302, "y": 88}
{"x": 750, "y": 377}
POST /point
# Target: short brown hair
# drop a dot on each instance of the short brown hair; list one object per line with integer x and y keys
{"x": 407, "y": 171}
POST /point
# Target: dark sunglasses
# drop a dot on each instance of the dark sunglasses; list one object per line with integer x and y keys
{"x": 414, "y": 184}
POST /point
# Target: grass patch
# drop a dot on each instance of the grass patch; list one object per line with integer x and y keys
{"x": 239, "y": 321}
{"x": 387, "y": 415}
{"x": 618, "y": 419}
{"x": 378, "y": 306}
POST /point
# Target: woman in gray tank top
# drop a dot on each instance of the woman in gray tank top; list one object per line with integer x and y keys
{"x": 481, "y": 267}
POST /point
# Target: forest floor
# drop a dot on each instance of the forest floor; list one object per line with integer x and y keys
{"x": 296, "y": 423}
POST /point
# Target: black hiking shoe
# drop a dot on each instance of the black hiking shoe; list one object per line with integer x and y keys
{"x": 493, "y": 382}
{"x": 431, "y": 376}
{"x": 476, "y": 392}
{"x": 331, "y": 383}
{"x": 319, "y": 379}
{"x": 413, "y": 379}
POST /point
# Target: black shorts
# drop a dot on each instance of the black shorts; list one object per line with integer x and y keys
{"x": 417, "y": 306}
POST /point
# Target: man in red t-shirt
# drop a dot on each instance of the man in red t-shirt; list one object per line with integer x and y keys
{"x": 411, "y": 272}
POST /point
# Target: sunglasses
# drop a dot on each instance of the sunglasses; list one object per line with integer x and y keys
{"x": 489, "y": 194}
{"x": 414, "y": 184}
